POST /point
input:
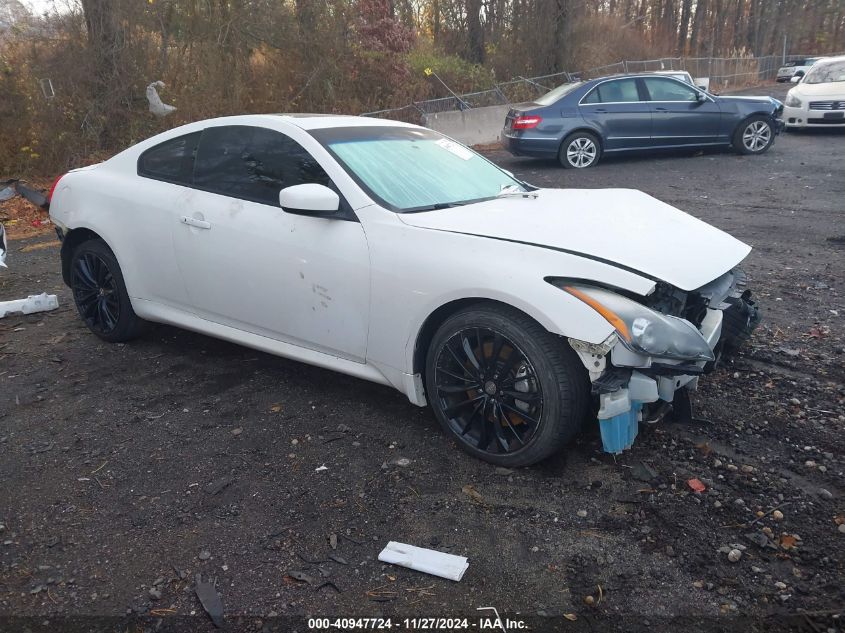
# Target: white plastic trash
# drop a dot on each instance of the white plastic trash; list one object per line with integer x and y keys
{"x": 427, "y": 561}
{"x": 3, "y": 248}
{"x": 33, "y": 303}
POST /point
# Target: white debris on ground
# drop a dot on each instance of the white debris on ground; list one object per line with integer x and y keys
{"x": 157, "y": 106}
{"x": 30, "y": 305}
{"x": 3, "y": 247}
{"x": 427, "y": 561}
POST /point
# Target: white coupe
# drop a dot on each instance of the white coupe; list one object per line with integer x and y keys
{"x": 386, "y": 251}
{"x": 818, "y": 100}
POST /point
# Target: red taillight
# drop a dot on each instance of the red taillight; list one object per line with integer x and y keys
{"x": 526, "y": 122}
{"x": 53, "y": 188}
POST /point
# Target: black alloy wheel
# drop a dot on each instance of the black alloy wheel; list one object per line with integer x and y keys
{"x": 99, "y": 293}
{"x": 488, "y": 390}
{"x": 95, "y": 293}
{"x": 503, "y": 387}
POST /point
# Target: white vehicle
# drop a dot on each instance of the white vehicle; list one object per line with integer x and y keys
{"x": 386, "y": 251}
{"x": 681, "y": 75}
{"x": 795, "y": 68}
{"x": 818, "y": 100}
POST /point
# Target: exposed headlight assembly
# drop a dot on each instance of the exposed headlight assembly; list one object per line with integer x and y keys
{"x": 642, "y": 329}
{"x": 792, "y": 101}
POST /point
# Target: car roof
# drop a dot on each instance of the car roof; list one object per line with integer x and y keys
{"x": 316, "y": 121}
{"x": 659, "y": 73}
{"x": 303, "y": 120}
{"x": 828, "y": 60}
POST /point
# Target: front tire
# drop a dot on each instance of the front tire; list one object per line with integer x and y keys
{"x": 754, "y": 135}
{"x": 506, "y": 390}
{"x": 580, "y": 150}
{"x": 100, "y": 293}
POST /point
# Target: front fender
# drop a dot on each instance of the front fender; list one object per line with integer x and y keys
{"x": 416, "y": 271}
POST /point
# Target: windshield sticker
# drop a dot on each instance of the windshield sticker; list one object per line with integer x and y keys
{"x": 458, "y": 150}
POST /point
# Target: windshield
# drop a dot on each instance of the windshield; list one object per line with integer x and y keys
{"x": 414, "y": 169}
{"x": 553, "y": 95}
{"x": 826, "y": 73}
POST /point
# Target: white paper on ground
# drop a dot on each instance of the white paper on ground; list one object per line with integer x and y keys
{"x": 425, "y": 560}
{"x": 33, "y": 303}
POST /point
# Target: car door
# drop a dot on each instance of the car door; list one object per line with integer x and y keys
{"x": 167, "y": 170}
{"x": 678, "y": 116}
{"x": 619, "y": 111}
{"x": 249, "y": 265}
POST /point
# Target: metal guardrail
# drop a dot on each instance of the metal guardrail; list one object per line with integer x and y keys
{"x": 723, "y": 72}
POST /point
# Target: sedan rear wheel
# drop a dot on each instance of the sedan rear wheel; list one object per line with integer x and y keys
{"x": 100, "y": 293}
{"x": 579, "y": 151}
{"x": 754, "y": 136}
{"x": 504, "y": 388}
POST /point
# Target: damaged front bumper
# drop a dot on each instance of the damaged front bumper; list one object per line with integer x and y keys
{"x": 631, "y": 386}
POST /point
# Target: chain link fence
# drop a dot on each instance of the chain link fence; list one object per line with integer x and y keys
{"x": 723, "y": 73}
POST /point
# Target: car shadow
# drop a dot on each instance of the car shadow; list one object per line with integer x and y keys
{"x": 818, "y": 131}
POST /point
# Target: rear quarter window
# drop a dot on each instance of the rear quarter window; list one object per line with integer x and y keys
{"x": 172, "y": 160}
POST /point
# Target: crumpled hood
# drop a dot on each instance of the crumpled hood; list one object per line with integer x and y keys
{"x": 625, "y": 227}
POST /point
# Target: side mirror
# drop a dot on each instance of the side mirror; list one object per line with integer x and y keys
{"x": 309, "y": 199}
{"x": 701, "y": 97}
{"x": 795, "y": 79}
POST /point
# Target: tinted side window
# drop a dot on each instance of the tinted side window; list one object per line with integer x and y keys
{"x": 172, "y": 160}
{"x": 618, "y": 91}
{"x": 253, "y": 163}
{"x": 592, "y": 97}
{"x": 668, "y": 90}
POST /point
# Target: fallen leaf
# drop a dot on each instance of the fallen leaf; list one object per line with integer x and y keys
{"x": 696, "y": 485}
{"x": 276, "y": 408}
{"x": 472, "y": 493}
{"x": 39, "y": 245}
{"x": 788, "y": 541}
{"x": 210, "y": 600}
{"x": 570, "y": 616}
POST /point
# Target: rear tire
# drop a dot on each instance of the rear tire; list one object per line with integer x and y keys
{"x": 580, "y": 150}
{"x": 754, "y": 135}
{"x": 505, "y": 389}
{"x": 100, "y": 293}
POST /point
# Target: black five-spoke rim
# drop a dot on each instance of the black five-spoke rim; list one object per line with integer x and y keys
{"x": 488, "y": 391}
{"x": 95, "y": 293}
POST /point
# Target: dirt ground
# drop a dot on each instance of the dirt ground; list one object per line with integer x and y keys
{"x": 128, "y": 469}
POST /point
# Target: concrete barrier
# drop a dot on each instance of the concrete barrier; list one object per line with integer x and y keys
{"x": 477, "y": 126}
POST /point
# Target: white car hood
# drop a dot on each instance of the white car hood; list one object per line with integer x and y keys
{"x": 832, "y": 89}
{"x": 624, "y": 227}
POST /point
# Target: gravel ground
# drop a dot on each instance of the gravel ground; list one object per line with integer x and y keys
{"x": 129, "y": 469}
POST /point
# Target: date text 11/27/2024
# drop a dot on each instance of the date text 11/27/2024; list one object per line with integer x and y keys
{"x": 494, "y": 622}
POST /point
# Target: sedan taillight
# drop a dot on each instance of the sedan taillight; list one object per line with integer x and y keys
{"x": 526, "y": 122}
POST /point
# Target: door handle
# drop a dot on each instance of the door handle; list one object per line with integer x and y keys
{"x": 600, "y": 111}
{"x": 200, "y": 224}
{"x": 661, "y": 110}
